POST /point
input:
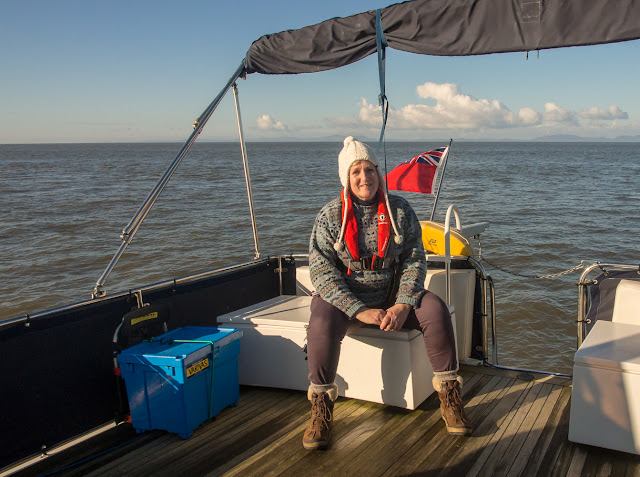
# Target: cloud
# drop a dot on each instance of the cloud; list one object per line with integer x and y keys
{"x": 555, "y": 113}
{"x": 529, "y": 116}
{"x": 445, "y": 107}
{"x": 266, "y": 122}
{"x": 597, "y": 113}
{"x": 452, "y": 109}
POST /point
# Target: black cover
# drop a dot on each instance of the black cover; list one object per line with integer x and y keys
{"x": 603, "y": 295}
{"x": 447, "y": 28}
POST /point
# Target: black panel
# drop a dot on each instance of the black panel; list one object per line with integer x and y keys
{"x": 603, "y": 295}
{"x": 57, "y": 374}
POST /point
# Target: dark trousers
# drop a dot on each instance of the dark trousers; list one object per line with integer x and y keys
{"x": 328, "y": 326}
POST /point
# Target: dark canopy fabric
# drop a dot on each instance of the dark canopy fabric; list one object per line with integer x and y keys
{"x": 447, "y": 28}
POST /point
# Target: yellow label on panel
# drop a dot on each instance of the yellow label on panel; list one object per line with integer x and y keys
{"x": 197, "y": 367}
{"x": 140, "y": 319}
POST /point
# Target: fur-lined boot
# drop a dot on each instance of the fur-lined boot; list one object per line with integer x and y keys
{"x": 318, "y": 432}
{"x": 451, "y": 406}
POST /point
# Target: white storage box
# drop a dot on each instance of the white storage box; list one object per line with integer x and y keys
{"x": 463, "y": 286}
{"x": 605, "y": 408}
{"x": 378, "y": 366}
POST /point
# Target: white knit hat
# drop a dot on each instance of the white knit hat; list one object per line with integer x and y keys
{"x": 353, "y": 151}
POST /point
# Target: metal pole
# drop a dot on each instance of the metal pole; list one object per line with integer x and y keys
{"x": 581, "y": 314}
{"x": 494, "y": 332}
{"x": 444, "y": 166}
{"x": 247, "y": 178}
{"x": 487, "y": 281}
{"x": 485, "y": 327}
{"x": 132, "y": 227}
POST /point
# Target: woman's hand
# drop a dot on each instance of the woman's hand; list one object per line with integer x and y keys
{"x": 370, "y": 316}
{"x": 395, "y": 317}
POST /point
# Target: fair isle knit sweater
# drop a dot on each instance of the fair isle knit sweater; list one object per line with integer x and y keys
{"x": 370, "y": 288}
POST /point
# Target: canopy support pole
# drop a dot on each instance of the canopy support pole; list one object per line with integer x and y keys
{"x": 247, "y": 178}
{"x": 381, "y": 44}
{"x": 134, "y": 224}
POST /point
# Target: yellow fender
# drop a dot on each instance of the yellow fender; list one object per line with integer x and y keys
{"x": 433, "y": 240}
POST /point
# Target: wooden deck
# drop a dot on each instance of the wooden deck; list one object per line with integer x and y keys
{"x": 520, "y": 428}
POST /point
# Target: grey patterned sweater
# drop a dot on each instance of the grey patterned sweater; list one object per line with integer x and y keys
{"x": 368, "y": 288}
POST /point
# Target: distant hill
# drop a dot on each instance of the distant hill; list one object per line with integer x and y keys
{"x": 572, "y": 138}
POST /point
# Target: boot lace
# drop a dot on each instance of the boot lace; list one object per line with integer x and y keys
{"x": 453, "y": 400}
{"x": 320, "y": 412}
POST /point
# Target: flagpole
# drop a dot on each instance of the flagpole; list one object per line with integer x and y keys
{"x": 444, "y": 166}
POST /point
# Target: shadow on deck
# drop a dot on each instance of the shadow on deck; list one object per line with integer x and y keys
{"x": 520, "y": 428}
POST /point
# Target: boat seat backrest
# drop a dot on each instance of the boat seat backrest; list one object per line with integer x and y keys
{"x": 626, "y": 308}
{"x": 142, "y": 324}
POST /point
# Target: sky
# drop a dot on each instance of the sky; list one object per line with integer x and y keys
{"x": 144, "y": 70}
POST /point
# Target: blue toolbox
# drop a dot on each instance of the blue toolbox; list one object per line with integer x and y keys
{"x": 182, "y": 378}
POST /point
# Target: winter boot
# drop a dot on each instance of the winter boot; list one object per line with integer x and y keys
{"x": 451, "y": 406}
{"x": 318, "y": 432}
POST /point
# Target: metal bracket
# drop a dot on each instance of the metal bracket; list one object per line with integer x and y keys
{"x": 98, "y": 292}
{"x": 138, "y": 295}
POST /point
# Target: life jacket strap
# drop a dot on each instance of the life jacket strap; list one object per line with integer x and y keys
{"x": 368, "y": 263}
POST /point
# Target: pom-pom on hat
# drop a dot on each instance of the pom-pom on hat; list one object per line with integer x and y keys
{"x": 353, "y": 151}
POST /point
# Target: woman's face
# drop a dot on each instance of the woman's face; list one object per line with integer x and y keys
{"x": 363, "y": 180}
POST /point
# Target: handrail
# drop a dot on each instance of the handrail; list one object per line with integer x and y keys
{"x": 487, "y": 281}
{"x": 447, "y": 247}
{"x": 194, "y": 277}
{"x": 134, "y": 224}
{"x": 583, "y": 298}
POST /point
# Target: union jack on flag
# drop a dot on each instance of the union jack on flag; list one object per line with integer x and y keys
{"x": 418, "y": 174}
{"x": 432, "y": 157}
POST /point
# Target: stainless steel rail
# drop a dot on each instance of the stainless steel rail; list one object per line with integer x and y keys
{"x": 145, "y": 289}
{"x": 488, "y": 307}
{"x": 247, "y": 178}
{"x": 583, "y": 296}
{"x": 488, "y": 301}
{"x": 134, "y": 224}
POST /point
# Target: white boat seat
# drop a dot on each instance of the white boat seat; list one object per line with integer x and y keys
{"x": 385, "y": 367}
{"x": 463, "y": 282}
{"x": 605, "y": 410}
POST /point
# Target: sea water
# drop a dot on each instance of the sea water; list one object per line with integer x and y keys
{"x": 550, "y": 206}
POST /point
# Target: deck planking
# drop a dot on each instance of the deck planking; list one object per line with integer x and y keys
{"x": 520, "y": 428}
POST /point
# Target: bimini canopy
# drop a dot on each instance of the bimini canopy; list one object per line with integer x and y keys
{"x": 447, "y": 28}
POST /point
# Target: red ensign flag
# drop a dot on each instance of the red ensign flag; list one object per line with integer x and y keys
{"x": 418, "y": 174}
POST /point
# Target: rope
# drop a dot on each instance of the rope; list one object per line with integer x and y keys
{"x": 537, "y": 277}
{"x": 211, "y": 365}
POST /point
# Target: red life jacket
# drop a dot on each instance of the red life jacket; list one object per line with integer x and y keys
{"x": 351, "y": 258}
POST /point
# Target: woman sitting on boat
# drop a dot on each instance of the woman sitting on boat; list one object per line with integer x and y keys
{"x": 368, "y": 266}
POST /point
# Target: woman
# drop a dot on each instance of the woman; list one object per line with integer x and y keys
{"x": 368, "y": 266}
